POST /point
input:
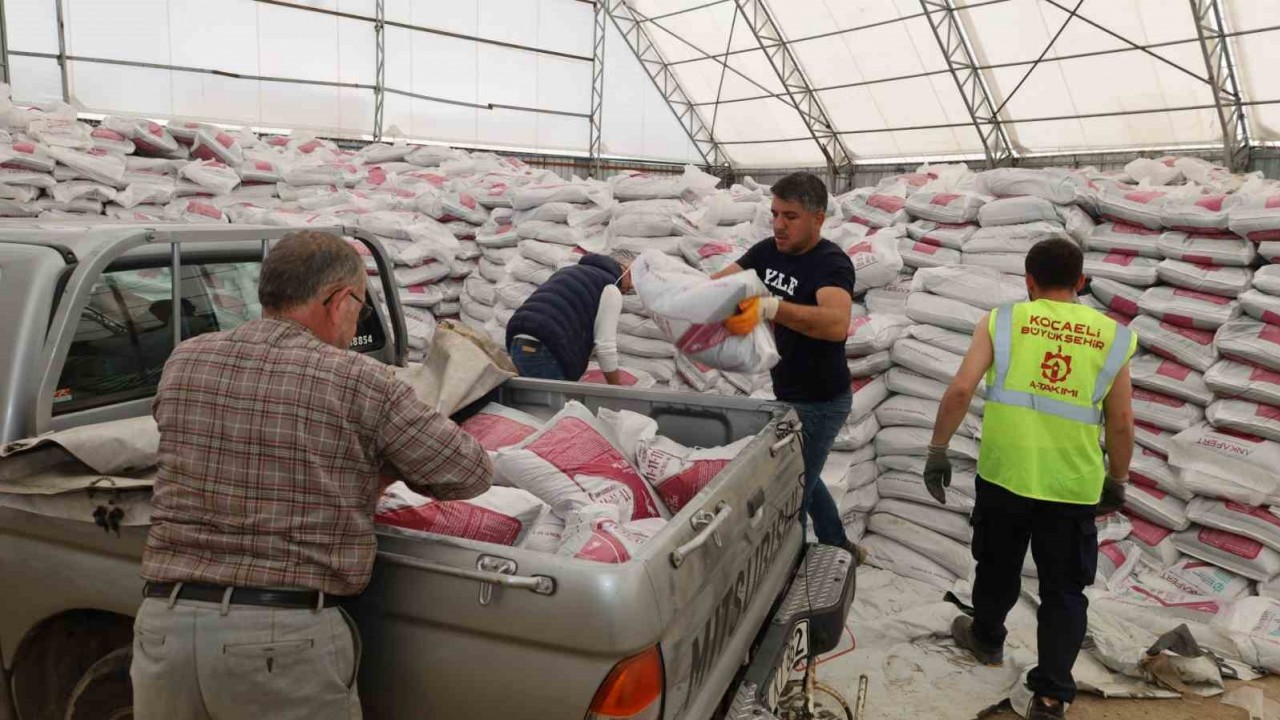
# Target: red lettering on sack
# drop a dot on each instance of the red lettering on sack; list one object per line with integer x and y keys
{"x": 944, "y": 198}
{"x": 712, "y": 249}
{"x": 456, "y": 518}
{"x": 1147, "y": 532}
{"x": 1211, "y": 202}
{"x": 1260, "y": 513}
{"x": 1173, "y": 370}
{"x": 309, "y": 147}
{"x": 1270, "y": 317}
{"x": 858, "y": 322}
{"x": 1235, "y": 434}
{"x": 1272, "y": 202}
{"x": 1270, "y": 333}
{"x": 1176, "y": 319}
{"x": 199, "y": 208}
{"x": 1147, "y": 485}
{"x": 25, "y": 148}
{"x": 925, "y": 248}
{"x": 702, "y": 337}
{"x": 1146, "y": 395}
{"x": 105, "y": 134}
{"x": 1258, "y": 374}
{"x": 1199, "y": 259}
{"x": 1120, "y": 228}
{"x": 1113, "y": 553}
{"x": 887, "y": 203}
{"x": 1143, "y": 196}
{"x": 1244, "y": 547}
{"x": 1205, "y": 297}
{"x": 1117, "y": 258}
{"x": 1200, "y": 337}
{"x": 1268, "y": 412}
{"x": 225, "y": 140}
{"x": 1205, "y": 606}
{"x": 679, "y": 489}
{"x": 1124, "y": 305}
{"x": 1119, "y": 317}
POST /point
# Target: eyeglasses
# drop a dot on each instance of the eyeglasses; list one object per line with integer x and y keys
{"x": 365, "y": 309}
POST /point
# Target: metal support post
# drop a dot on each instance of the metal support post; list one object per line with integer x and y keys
{"x": 799, "y": 94}
{"x": 1220, "y": 63}
{"x": 4, "y": 47}
{"x": 62, "y": 51}
{"x": 597, "y": 88}
{"x": 664, "y": 79}
{"x": 955, "y": 47}
{"x": 380, "y": 66}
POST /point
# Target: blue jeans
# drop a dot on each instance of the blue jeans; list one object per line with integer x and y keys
{"x": 822, "y": 422}
{"x": 534, "y": 360}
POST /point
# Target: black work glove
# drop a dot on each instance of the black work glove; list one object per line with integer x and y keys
{"x": 937, "y": 473}
{"x": 1112, "y": 496}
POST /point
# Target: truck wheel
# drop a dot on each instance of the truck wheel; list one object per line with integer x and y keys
{"x": 104, "y": 691}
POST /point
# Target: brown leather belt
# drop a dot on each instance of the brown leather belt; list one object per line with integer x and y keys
{"x": 285, "y": 599}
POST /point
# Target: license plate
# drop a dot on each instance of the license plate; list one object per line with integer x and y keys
{"x": 797, "y": 650}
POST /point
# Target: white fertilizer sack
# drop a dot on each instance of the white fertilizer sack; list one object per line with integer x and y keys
{"x": 940, "y": 234}
{"x": 1236, "y": 553}
{"x": 1157, "y": 506}
{"x": 1164, "y": 411}
{"x": 976, "y": 287}
{"x": 930, "y": 309}
{"x": 949, "y": 340}
{"x": 1010, "y": 263}
{"x": 1246, "y": 416}
{"x": 931, "y": 517}
{"x": 1127, "y": 240}
{"x": 499, "y": 516}
{"x": 1261, "y": 306}
{"x": 1230, "y": 379}
{"x": 1251, "y": 341}
{"x": 1017, "y": 210}
{"x": 919, "y": 254}
{"x": 1228, "y": 464}
{"x": 573, "y": 462}
{"x": 1149, "y": 468}
{"x": 1198, "y": 577}
{"x": 870, "y": 365}
{"x": 1193, "y": 348}
{"x": 874, "y": 333}
{"x": 1171, "y": 378}
{"x": 1225, "y": 281}
{"x": 945, "y": 207}
{"x": 1127, "y": 269}
{"x": 910, "y": 411}
{"x": 925, "y": 359}
{"x": 1189, "y": 308}
{"x": 915, "y": 441}
{"x": 868, "y": 393}
{"x": 1267, "y": 279}
{"x": 598, "y": 534}
{"x": 1017, "y": 239}
{"x": 1153, "y": 541}
{"x": 678, "y": 472}
{"x": 857, "y": 433}
{"x": 901, "y": 560}
{"x": 1256, "y": 523}
{"x": 1228, "y": 251}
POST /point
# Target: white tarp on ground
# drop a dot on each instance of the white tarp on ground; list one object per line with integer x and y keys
{"x": 902, "y": 629}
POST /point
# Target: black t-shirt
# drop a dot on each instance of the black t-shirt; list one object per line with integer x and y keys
{"x": 810, "y": 370}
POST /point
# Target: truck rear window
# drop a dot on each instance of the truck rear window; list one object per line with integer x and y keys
{"x": 125, "y": 334}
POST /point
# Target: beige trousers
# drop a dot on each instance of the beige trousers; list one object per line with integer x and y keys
{"x": 201, "y": 661}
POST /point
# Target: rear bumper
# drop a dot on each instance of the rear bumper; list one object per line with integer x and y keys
{"x": 814, "y": 608}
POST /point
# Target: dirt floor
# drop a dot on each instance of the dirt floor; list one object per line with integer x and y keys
{"x": 1091, "y": 707}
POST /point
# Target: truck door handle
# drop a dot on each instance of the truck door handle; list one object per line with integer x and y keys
{"x": 493, "y": 571}
{"x": 787, "y": 433}
{"x": 708, "y": 526}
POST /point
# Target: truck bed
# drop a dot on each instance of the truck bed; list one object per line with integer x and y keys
{"x": 443, "y": 637}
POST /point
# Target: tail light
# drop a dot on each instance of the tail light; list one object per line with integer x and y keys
{"x": 633, "y": 690}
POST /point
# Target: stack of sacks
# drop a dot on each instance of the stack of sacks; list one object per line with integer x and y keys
{"x": 550, "y": 492}
{"x": 1029, "y": 206}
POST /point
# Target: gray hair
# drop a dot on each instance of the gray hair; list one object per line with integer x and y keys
{"x": 303, "y": 265}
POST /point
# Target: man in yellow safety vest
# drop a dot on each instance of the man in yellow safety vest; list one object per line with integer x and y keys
{"x": 1054, "y": 371}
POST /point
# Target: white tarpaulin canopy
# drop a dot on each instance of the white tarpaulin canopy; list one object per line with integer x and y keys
{"x": 874, "y": 77}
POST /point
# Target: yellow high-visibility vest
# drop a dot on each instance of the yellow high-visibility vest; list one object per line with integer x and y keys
{"x": 1053, "y": 365}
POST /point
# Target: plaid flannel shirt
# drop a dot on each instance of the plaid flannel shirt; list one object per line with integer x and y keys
{"x": 271, "y": 448}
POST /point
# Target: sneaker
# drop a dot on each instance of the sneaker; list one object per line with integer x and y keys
{"x": 962, "y": 633}
{"x": 1038, "y": 710}
{"x": 859, "y": 555}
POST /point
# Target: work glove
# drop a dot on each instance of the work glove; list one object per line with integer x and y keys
{"x": 937, "y": 472}
{"x": 1112, "y": 495}
{"x": 750, "y": 314}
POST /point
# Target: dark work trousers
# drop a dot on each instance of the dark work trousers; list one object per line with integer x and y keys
{"x": 1064, "y": 544}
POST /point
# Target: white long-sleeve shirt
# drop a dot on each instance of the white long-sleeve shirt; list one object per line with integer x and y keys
{"x": 606, "y": 328}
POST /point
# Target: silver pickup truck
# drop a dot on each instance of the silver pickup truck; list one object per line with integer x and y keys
{"x": 708, "y": 620}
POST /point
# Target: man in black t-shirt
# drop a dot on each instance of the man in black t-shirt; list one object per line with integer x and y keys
{"x": 811, "y": 281}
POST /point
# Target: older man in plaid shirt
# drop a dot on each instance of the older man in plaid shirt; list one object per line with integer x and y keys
{"x": 273, "y": 440}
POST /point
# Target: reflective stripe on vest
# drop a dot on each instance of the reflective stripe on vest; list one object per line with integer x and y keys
{"x": 1092, "y": 415}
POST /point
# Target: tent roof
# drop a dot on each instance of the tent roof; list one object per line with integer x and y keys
{"x": 1116, "y": 74}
